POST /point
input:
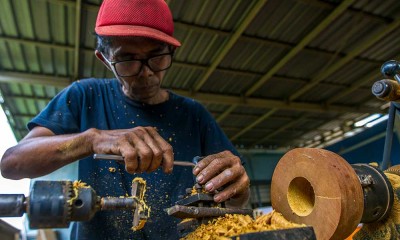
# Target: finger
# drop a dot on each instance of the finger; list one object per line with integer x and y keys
{"x": 207, "y": 160}
{"x": 167, "y": 151}
{"x": 203, "y": 164}
{"x": 156, "y": 152}
{"x": 235, "y": 189}
{"x": 143, "y": 150}
{"x": 130, "y": 157}
{"x": 215, "y": 167}
{"x": 226, "y": 176}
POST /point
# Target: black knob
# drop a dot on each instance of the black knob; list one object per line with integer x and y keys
{"x": 390, "y": 68}
{"x": 380, "y": 89}
{"x": 386, "y": 89}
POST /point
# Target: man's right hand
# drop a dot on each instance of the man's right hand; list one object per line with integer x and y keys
{"x": 42, "y": 152}
{"x": 143, "y": 149}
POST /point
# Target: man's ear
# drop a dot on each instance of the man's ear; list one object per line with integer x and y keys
{"x": 101, "y": 58}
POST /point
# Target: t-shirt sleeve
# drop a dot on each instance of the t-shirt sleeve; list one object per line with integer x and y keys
{"x": 61, "y": 115}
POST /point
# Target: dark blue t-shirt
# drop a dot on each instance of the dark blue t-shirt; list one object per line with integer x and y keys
{"x": 101, "y": 104}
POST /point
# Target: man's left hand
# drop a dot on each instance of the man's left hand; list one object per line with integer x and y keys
{"x": 224, "y": 170}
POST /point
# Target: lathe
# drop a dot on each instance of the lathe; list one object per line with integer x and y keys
{"x": 311, "y": 186}
{"x": 54, "y": 204}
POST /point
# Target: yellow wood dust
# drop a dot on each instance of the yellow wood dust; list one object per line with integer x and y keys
{"x": 75, "y": 186}
{"x": 235, "y": 224}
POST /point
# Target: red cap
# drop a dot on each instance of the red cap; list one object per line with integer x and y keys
{"x": 137, "y": 18}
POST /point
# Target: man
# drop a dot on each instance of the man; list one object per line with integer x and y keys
{"x": 134, "y": 117}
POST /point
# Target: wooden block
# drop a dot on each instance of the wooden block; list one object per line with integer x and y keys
{"x": 318, "y": 188}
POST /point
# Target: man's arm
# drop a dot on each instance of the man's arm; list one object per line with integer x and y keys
{"x": 42, "y": 152}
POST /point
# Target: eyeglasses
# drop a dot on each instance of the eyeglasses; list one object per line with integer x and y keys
{"x": 129, "y": 68}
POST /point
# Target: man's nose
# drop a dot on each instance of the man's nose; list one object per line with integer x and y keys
{"x": 145, "y": 71}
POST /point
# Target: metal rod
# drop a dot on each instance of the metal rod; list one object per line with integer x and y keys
{"x": 117, "y": 203}
{"x": 121, "y": 158}
{"x": 182, "y": 212}
{"x": 389, "y": 138}
{"x": 108, "y": 157}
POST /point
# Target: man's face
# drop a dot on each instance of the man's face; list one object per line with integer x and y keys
{"x": 145, "y": 86}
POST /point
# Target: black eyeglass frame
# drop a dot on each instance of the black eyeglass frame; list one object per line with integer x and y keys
{"x": 142, "y": 61}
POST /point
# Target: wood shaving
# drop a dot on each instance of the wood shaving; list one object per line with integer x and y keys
{"x": 75, "y": 186}
{"x": 142, "y": 204}
{"x": 235, "y": 224}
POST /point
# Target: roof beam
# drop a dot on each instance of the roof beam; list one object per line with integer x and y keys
{"x": 269, "y": 103}
{"x": 26, "y": 115}
{"x": 43, "y": 44}
{"x": 306, "y": 40}
{"x": 72, "y": 4}
{"x": 250, "y": 126}
{"x": 63, "y": 2}
{"x": 231, "y": 41}
{"x": 26, "y": 97}
{"x": 251, "y": 116}
{"x": 350, "y": 56}
{"x": 226, "y": 113}
{"x": 36, "y": 43}
{"x": 47, "y": 80}
{"x": 283, "y": 128}
{"x": 268, "y": 130}
{"x": 356, "y": 85}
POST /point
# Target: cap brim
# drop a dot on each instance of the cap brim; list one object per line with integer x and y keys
{"x": 136, "y": 31}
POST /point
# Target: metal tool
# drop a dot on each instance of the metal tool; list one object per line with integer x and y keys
{"x": 54, "y": 204}
{"x": 200, "y": 207}
{"x": 121, "y": 158}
